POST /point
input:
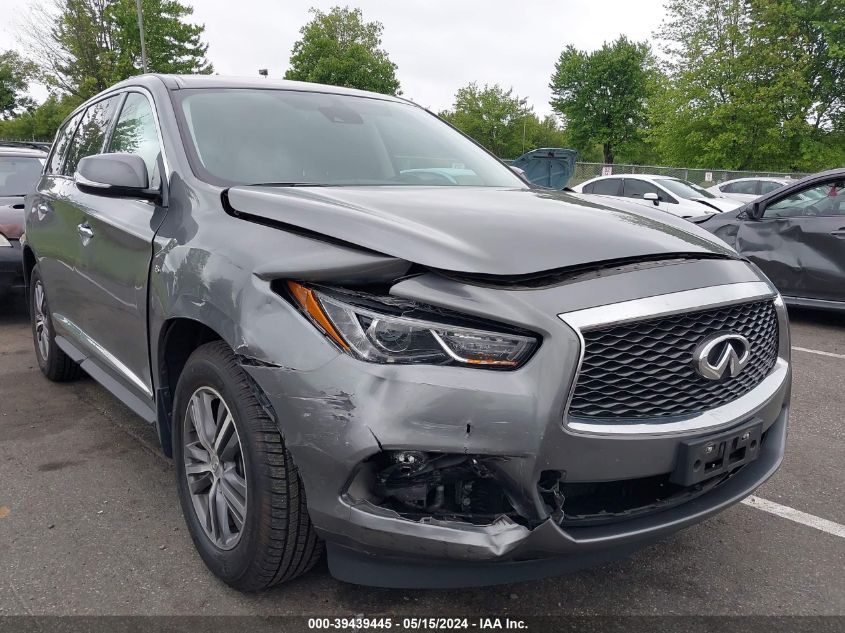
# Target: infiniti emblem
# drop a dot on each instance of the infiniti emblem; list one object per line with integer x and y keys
{"x": 721, "y": 355}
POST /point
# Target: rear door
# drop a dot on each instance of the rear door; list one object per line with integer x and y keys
{"x": 51, "y": 229}
{"x": 800, "y": 241}
{"x": 64, "y": 249}
{"x": 118, "y": 251}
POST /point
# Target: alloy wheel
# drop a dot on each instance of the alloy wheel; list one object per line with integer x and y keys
{"x": 42, "y": 327}
{"x": 214, "y": 467}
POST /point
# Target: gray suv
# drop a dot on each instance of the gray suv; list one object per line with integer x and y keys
{"x": 352, "y": 326}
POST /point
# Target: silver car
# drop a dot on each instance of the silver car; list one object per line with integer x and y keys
{"x": 352, "y": 326}
{"x": 665, "y": 193}
{"x": 748, "y": 189}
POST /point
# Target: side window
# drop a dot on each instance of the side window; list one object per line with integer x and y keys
{"x": 638, "y": 188}
{"x": 608, "y": 187}
{"x": 91, "y": 133}
{"x": 587, "y": 188}
{"x": 136, "y": 133}
{"x": 60, "y": 145}
{"x": 819, "y": 200}
{"x": 743, "y": 186}
{"x": 769, "y": 185}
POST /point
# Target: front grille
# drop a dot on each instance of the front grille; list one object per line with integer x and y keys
{"x": 645, "y": 370}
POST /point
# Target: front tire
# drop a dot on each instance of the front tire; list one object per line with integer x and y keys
{"x": 53, "y": 362}
{"x": 241, "y": 494}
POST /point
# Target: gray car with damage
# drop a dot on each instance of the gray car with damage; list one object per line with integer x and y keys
{"x": 796, "y": 235}
{"x": 353, "y": 326}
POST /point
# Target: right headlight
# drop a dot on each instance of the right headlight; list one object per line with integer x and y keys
{"x": 390, "y": 330}
{"x": 4, "y": 241}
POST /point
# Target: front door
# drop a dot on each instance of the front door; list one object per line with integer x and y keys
{"x": 118, "y": 252}
{"x": 637, "y": 189}
{"x": 799, "y": 242}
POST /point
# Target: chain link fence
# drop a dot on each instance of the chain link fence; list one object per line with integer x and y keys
{"x": 701, "y": 177}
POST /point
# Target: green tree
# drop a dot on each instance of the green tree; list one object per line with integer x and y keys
{"x": 41, "y": 122}
{"x": 15, "y": 73}
{"x": 496, "y": 118}
{"x": 84, "y": 46}
{"x": 341, "y": 49}
{"x": 601, "y": 96}
{"x": 545, "y": 132}
{"x": 752, "y": 84}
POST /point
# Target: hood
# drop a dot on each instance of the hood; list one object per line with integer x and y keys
{"x": 11, "y": 216}
{"x": 720, "y": 204}
{"x": 550, "y": 167}
{"x": 486, "y": 230}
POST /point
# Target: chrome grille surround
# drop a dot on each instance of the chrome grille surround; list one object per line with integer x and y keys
{"x": 685, "y": 305}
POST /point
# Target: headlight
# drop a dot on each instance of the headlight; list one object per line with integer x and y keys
{"x": 4, "y": 241}
{"x": 390, "y": 330}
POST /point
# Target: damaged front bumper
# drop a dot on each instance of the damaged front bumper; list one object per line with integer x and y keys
{"x": 492, "y": 512}
{"x": 443, "y": 554}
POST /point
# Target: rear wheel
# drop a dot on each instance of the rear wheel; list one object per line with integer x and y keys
{"x": 240, "y": 491}
{"x": 52, "y": 361}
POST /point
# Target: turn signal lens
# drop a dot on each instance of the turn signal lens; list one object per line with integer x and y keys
{"x": 309, "y": 303}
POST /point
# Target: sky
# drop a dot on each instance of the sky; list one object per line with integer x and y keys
{"x": 438, "y": 45}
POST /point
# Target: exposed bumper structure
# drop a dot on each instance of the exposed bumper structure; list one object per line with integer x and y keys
{"x": 501, "y": 554}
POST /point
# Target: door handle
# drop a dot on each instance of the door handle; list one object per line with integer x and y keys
{"x": 85, "y": 232}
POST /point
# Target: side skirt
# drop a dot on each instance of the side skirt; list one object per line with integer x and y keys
{"x": 140, "y": 407}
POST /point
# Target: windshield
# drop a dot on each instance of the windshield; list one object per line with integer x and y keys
{"x": 249, "y": 136}
{"x": 684, "y": 188}
{"x": 19, "y": 174}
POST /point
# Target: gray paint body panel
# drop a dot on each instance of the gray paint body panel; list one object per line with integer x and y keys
{"x": 334, "y": 411}
{"x": 475, "y": 229}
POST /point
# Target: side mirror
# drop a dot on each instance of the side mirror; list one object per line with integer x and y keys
{"x": 754, "y": 211}
{"x": 655, "y": 199}
{"x": 115, "y": 175}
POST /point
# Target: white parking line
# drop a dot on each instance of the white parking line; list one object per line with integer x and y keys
{"x": 819, "y": 352}
{"x": 795, "y": 515}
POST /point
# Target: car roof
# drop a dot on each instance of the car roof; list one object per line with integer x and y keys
{"x": 637, "y": 176}
{"x": 23, "y": 148}
{"x": 184, "y": 82}
{"x": 767, "y": 178}
{"x": 21, "y": 152}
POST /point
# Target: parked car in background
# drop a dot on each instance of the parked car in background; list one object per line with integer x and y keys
{"x": 796, "y": 235}
{"x": 20, "y": 169}
{"x": 673, "y": 195}
{"x": 341, "y": 338}
{"x": 747, "y": 189}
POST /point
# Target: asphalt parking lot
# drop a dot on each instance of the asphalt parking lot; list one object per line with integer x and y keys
{"x": 90, "y": 524}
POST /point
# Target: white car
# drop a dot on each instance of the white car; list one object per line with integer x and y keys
{"x": 748, "y": 189}
{"x": 673, "y": 195}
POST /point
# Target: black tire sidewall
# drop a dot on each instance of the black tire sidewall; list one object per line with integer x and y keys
{"x": 204, "y": 370}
